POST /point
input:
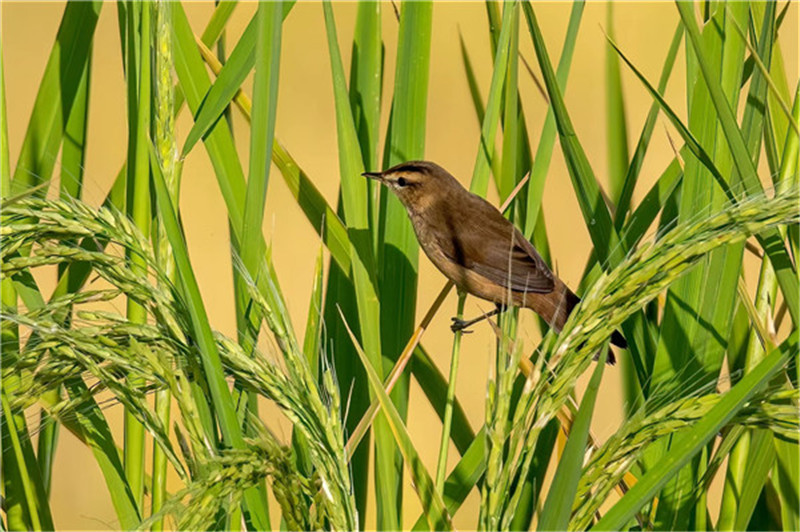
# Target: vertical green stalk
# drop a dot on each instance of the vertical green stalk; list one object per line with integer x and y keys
{"x": 441, "y": 468}
{"x": 398, "y": 256}
{"x": 167, "y": 150}
{"x": 138, "y": 204}
{"x": 252, "y": 247}
{"x": 354, "y": 191}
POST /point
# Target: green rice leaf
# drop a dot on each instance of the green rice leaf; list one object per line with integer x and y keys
{"x": 219, "y": 19}
{"x": 786, "y": 480}
{"x": 772, "y": 243}
{"x": 354, "y": 201}
{"x": 262, "y": 134}
{"x": 229, "y": 80}
{"x": 759, "y": 464}
{"x": 398, "y": 249}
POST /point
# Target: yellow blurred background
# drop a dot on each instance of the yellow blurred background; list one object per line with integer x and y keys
{"x": 306, "y": 127}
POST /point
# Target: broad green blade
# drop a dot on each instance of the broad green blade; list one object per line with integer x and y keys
{"x": 365, "y": 81}
{"x": 262, "y": 134}
{"x": 73, "y": 150}
{"x": 56, "y": 96}
{"x": 398, "y": 250}
{"x": 760, "y": 461}
{"x": 689, "y": 442}
{"x": 512, "y": 126}
{"x": 432, "y": 503}
{"x": 204, "y": 338}
{"x": 558, "y": 506}
{"x": 354, "y": 201}
{"x": 742, "y": 160}
{"x": 786, "y": 480}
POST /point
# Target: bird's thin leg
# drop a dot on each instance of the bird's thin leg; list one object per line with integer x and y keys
{"x": 461, "y": 325}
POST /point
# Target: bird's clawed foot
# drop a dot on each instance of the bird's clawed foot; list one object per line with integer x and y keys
{"x": 460, "y": 325}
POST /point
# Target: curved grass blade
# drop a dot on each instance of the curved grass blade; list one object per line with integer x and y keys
{"x": 690, "y": 442}
{"x": 432, "y": 504}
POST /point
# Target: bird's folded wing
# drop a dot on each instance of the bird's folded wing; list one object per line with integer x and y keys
{"x": 492, "y": 247}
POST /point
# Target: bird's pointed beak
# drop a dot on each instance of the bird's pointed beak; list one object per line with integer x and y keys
{"x": 378, "y": 176}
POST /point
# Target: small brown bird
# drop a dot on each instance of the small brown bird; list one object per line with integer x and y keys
{"x": 474, "y": 246}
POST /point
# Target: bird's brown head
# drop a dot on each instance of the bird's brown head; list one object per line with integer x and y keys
{"x": 418, "y": 184}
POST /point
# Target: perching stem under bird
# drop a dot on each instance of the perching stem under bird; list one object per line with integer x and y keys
{"x": 474, "y": 246}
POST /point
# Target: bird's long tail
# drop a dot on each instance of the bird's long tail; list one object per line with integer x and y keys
{"x": 556, "y": 306}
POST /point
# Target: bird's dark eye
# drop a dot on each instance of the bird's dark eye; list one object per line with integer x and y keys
{"x": 401, "y": 181}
